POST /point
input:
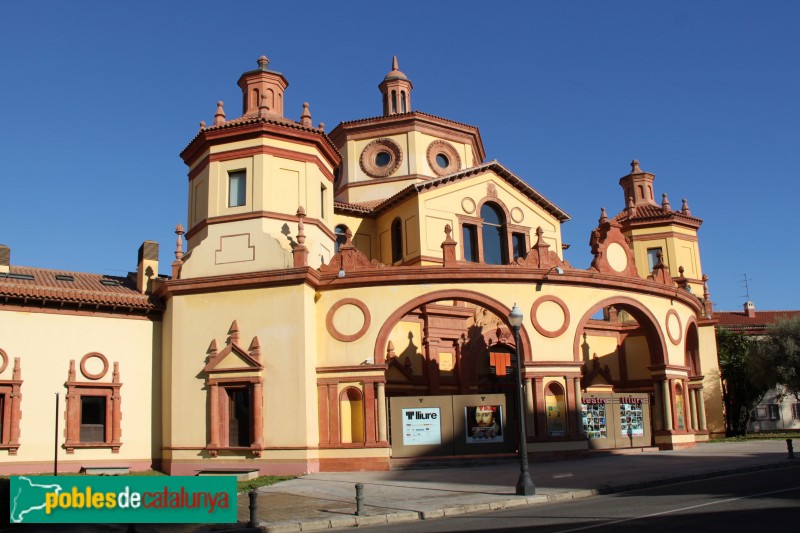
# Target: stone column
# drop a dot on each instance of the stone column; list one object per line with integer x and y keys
{"x": 693, "y": 408}
{"x": 541, "y": 413}
{"x": 530, "y": 418}
{"x": 666, "y": 404}
{"x": 701, "y": 410}
{"x": 382, "y": 429}
{"x": 370, "y": 418}
{"x": 576, "y": 382}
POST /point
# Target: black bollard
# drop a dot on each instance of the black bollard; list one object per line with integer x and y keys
{"x": 359, "y": 499}
{"x": 790, "y": 448}
{"x": 253, "y": 494}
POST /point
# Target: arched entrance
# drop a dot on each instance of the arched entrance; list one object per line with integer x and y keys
{"x": 450, "y": 357}
{"x": 623, "y": 353}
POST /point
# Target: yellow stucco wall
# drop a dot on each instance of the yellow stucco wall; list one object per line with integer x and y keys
{"x": 284, "y": 319}
{"x": 45, "y": 343}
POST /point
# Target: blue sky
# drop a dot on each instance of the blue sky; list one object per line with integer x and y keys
{"x": 99, "y": 98}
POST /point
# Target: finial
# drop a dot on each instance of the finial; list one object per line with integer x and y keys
{"x": 305, "y": 117}
{"x": 301, "y": 236}
{"x": 447, "y": 231}
{"x": 394, "y": 63}
{"x": 349, "y": 238}
{"x": 179, "y": 244}
{"x": 115, "y": 373}
{"x": 635, "y": 167}
{"x": 219, "y": 116}
{"x": 263, "y": 109}
{"x": 263, "y": 63}
{"x": 685, "y": 208}
{"x": 234, "y": 332}
{"x": 665, "y": 203}
{"x": 603, "y": 216}
{"x": 202, "y": 125}
{"x": 71, "y": 373}
{"x": 321, "y": 126}
{"x": 680, "y": 270}
{"x": 212, "y": 348}
{"x": 255, "y": 348}
{"x": 539, "y": 232}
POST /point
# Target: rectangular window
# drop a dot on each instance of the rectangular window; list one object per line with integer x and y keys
{"x": 518, "y": 243}
{"x": 238, "y": 417}
{"x": 470, "y": 243}
{"x": 237, "y": 188}
{"x": 652, "y": 257}
{"x": 773, "y": 411}
{"x": 796, "y": 411}
{"x": 93, "y": 419}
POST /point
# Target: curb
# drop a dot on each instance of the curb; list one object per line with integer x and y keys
{"x": 410, "y": 516}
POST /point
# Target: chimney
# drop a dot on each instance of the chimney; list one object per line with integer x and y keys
{"x": 5, "y": 259}
{"x": 147, "y": 267}
{"x": 749, "y": 309}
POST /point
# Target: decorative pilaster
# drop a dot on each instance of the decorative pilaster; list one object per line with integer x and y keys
{"x": 258, "y": 418}
{"x": 116, "y": 410}
{"x": 213, "y": 418}
{"x": 16, "y": 411}
{"x": 370, "y": 418}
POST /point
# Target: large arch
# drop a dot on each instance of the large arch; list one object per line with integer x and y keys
{"x": 655, "y": 337}
{"x": 501, "y": 310}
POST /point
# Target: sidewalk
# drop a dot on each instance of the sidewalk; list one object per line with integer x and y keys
{"x": 327, "y": 500}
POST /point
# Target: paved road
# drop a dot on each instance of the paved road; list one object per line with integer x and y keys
{"x": 755, "y": 501}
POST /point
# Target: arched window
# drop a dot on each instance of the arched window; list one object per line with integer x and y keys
{"x": 403, "y": 101}
{"x": 394, "y": 101}
{"x": 341, "y": 236}
{"x": 495, "y": 247}
{"x": 397, "y": 240}
{"x": 351, "y": 404}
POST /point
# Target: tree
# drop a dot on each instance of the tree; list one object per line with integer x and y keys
{"x": 747, "y": 374}
{"x": 782, "y": 347}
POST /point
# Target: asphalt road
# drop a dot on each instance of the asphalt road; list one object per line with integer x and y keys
{"x": 756, "y": 501}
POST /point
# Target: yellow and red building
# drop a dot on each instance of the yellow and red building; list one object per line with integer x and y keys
{"x": 342, "y": 301}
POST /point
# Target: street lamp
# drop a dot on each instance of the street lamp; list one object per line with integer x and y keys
{"x": 525, "y": 486}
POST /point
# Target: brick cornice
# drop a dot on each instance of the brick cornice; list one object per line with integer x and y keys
{"x": 254, "y": 129}
{"x": 413, "y": 121}
{"x": 260, "y": 150}
{"x": 248, "y": 280}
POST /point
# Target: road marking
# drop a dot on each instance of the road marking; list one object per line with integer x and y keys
{"x": 677, "y": 510}
{"x": 557, "y": 476}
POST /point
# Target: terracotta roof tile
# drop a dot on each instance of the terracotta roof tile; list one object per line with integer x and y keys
{"x": 64, "y": 287}
{"x": 757, "y": 324}
{"x": 270, "y": 119}
{"x": 402, "y": 115}
{"x": 653, "y": 212}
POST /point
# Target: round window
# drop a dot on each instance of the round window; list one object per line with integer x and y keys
{"x": 383, "y": 158}
{"x": 442, "y": 160}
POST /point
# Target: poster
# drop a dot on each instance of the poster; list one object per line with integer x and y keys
{"x": 422, "y": 426}
{"x": 594, "y": 418}
{"x": 630, "y": 415}
{"x": 556, "y": 415}
{"x": 484, "y": 423}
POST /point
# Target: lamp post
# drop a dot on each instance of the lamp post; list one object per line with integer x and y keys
{"x": 525, "y": 486}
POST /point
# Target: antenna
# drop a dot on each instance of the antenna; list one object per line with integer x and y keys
{"x": 745, "y": 283}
